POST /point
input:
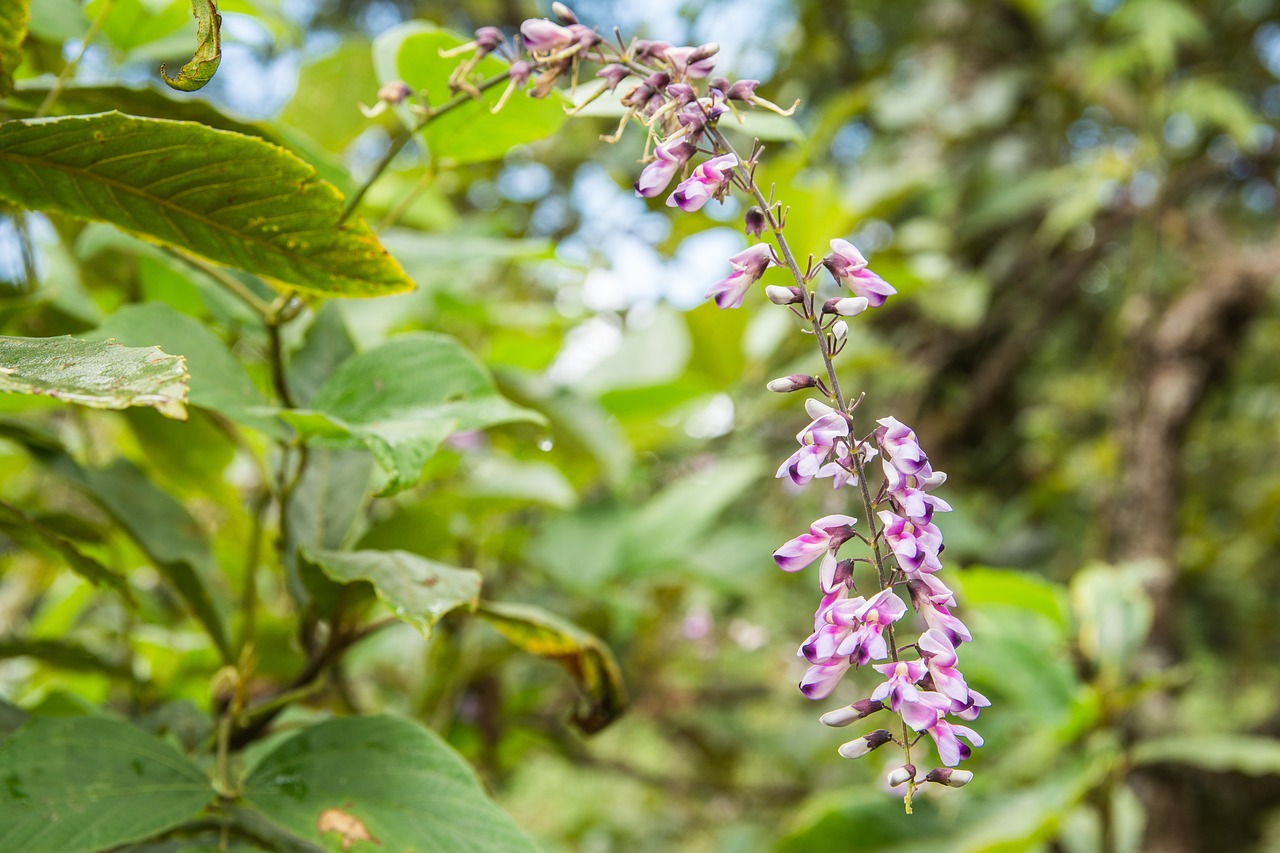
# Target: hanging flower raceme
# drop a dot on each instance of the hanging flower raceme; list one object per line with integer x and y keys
{"x": 919, "y": 681}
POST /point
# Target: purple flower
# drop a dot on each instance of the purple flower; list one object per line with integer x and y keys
{"x": 821, "y": 678}
{"x": 824, "y": 538}
{"x": 901, "y": 684}
{"x": 612, "y": 75}
{"x": 748, "y": 265}
{"x": 849, "y": 268}
{"x": 931, "y": 600}
{"x": 927, "y": 714}
{"x": 968, "y": 709}
{"x": 543, "y": 36}
{"x": 900, "y": 446}
{"x": 669, "y": 158}
{"x": 866, "y": 643}
{"x": 817, "y": 440}
{"x": 708, "y": 180}
{"x": 829, "y": 627}
{"x": 691, "y": 62}
{"x": 940, "y": 658}
{"x": 914, "y": 543}
{"x": 915, "y": 503}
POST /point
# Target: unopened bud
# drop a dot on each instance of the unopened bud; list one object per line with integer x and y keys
{"x": 704, "y": 51}
{"x": 845, "y": 306}
{"x": 839, "y": 331}
{"x": 950, "y": 778}
{"x": 794, "y": 382}
{"x": 905, "y": 773}
{"x": 780, "y": 295}
{"x": 564, "y": 13}
{"x": 488, "y": 39}
{"x": 394, "y": 92}
{"x": 755, "y": 222}
{"x": 861, "y": 746}
{"x": 851, "y": 713}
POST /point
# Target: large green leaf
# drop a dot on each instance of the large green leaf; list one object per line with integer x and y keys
{"x": 233, "y": 199}
{"x": 401, "y": 400}
{"x": 469, "y": 133}
{"x": 84, "y": 784}
{"x": 100, "y": 374}
{"x": 14, "y": 15}
{"x": 379, "y": 783}
{"x": 217, "y": 381}
{"x": 161, "y": 527}
{"x": 590, "y": 662}
{"x": 418, "y": 591}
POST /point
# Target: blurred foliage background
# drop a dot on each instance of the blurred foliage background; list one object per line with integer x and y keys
{"x": 1077, "y": 203}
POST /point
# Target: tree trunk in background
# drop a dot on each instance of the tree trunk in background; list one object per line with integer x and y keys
{"x": 1178, "y": 356}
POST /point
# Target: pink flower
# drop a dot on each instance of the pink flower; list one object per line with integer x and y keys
{"x": 820, "y": 679}
{"x": 817, "y": 441}
{"x": 901, "y": 684}
{"x": 940, "y": 658}
{"x": 928, "y": 714}
{"x": 866, "y": 643}
{"x": 968, "y": 709}
{"x": 824, "y": 538}
{"x": 691, "y": 62}
{"x": 914, "y": 543}
{"x": 543, "y": 36}
{"x": 708, "y": 180}
{"x": 829, "y": 631}
{"x": 849, "y": 268}
{"x": 748, "y": 265}
{"x": 931, "y": 600}
{"x": 669, "y": 158}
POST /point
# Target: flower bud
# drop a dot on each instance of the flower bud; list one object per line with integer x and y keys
{"x": 905, "y": 773}
{"x": 861, "y": 746}
{"x": 839, "y": 331}
{"x": 488, "y": 39}
{"x": 950, "y": 778}
{"x": 794, "y": 382}
{"x": 779, "y": 295}
{"x": 395, "y": 92}
{"x": 754, "y": 222}
{"x": 564, "y": 13}
{"x": 851, "y": 713}
{"x": 848, "y": 306}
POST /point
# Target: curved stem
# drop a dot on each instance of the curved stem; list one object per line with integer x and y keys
{"x": 398, "y": 144}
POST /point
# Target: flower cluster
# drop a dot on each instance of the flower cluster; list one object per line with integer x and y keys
{"x": 670, "y": 90}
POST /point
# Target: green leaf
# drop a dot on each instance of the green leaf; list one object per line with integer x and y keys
{"x": 232, "y": 199}
{"x": 418, "y": 591}
{"x": 379, "y": 783}
{"x": 23, "y": 527}
{"x": 74, "y": 97}
{"x": 161, "y": 527}
{"x": 99, "y": 374}
{"x": 14, "y": 15}
{"x": 322, "y": 510}
{"x": 208, "y": 53}
{"x": 216, "y": 381}
{"x": 63, "y": 654}
{"x": 1216, "y": 752}
{"x": 1114, "y": 611}
{"x": 400, "y": 400}
{"x": 84, "y": 784}
{"x": 588, "y": 660}
{"x": 469, "y": 133}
